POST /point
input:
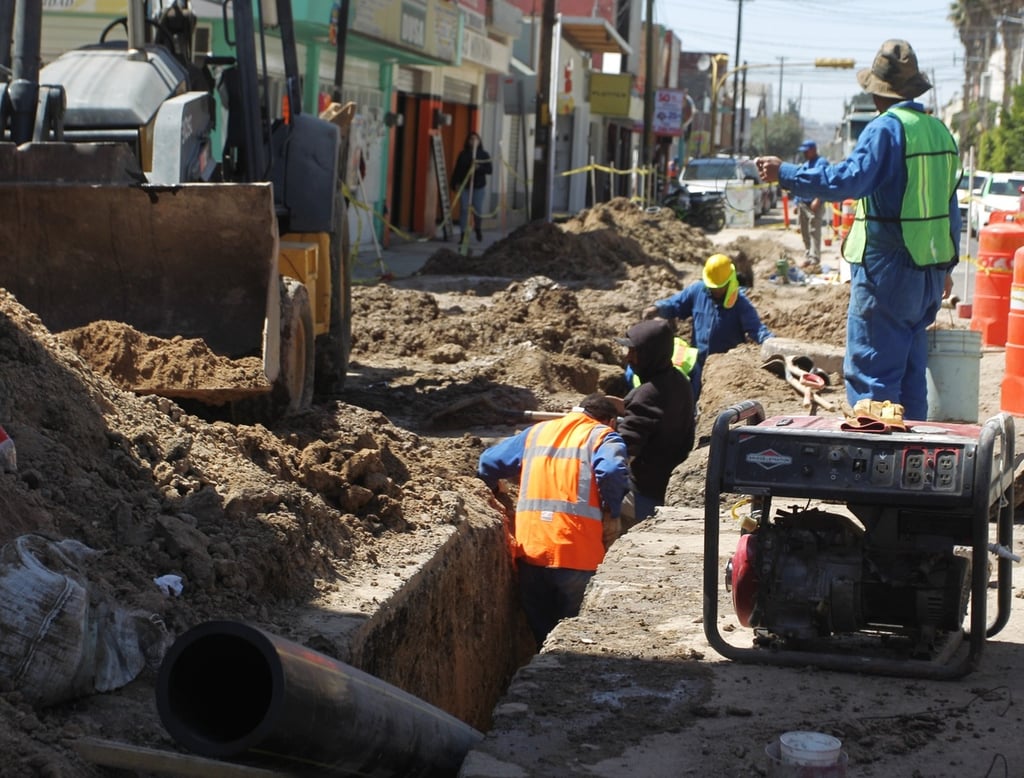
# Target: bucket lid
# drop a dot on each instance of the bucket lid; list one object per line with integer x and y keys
{"x": 809, "y": 748}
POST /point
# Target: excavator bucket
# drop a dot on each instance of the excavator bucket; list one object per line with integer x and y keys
{"x": 82, "y": 242}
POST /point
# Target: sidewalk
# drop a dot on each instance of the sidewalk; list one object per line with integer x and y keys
{"x": 402, "y": 258}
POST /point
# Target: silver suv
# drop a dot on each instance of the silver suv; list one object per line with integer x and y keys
{"x": 716, "y": 174}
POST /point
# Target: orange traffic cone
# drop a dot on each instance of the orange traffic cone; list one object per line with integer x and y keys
{"x": 1011, "y": 398}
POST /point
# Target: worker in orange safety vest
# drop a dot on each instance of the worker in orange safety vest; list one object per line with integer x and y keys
{"x": 573, "y": 475}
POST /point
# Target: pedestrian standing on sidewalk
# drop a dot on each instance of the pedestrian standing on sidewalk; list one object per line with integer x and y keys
{"x": 810, "y": 209}
{"x": 469, "y": 179}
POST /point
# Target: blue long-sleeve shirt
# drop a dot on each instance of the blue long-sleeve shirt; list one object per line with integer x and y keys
{"x": 611, "y": 466}
{"x": 877, "y": 159}
{"x": 817, "y": 162}
{"x": 716, "y": 329}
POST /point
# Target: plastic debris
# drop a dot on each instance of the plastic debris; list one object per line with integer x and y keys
{"x": 170, "y": 585}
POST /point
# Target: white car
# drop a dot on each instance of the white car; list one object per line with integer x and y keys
{"x": 724, "y": 173}
{"x": 1001, "y": 192}
{"x": 968, "y": 191}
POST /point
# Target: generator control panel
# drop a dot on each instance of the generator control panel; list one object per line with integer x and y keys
{"x": 811, "y": 456}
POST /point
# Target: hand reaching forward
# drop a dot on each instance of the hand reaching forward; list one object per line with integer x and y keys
{"x": 768, "y": 169}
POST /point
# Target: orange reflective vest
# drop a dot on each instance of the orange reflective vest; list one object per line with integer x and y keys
{"x": 558, "y": 515}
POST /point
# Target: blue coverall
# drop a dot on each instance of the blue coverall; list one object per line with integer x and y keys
{"x": 892, "y": 300}
{"x": 716, "y": 329}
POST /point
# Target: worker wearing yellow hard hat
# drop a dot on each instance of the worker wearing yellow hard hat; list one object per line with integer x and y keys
{"x": 720, "y": 277}
{"x": 723, "y": 317}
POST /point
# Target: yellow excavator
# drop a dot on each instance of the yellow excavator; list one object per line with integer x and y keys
{"x": 115, "y": 206}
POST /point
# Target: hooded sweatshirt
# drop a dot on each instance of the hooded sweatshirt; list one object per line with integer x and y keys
{"x": 658, "y": 423}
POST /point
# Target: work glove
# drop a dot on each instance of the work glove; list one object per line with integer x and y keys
{"x": 611, "y": 528}
{"x": 889, "y": 412}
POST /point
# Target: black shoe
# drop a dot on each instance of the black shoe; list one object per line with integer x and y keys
{"x": 479, "y": 235}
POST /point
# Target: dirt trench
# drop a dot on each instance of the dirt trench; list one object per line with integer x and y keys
{"x": 358, "y": 529}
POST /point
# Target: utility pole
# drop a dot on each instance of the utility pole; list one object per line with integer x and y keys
{"x": 544, "y": 140}
{"x": 647, "y": 152}
{"x": 736, "y": 74}
{"x": 743, "y": 112}
{"x": 781, "y": 61}
{"x": 339, "y": 55}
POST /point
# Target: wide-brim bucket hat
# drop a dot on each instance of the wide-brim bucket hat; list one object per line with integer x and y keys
{"x": 894, "y": 73}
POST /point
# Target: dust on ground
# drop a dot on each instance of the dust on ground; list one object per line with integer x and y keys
{"x": 258, "y": 519}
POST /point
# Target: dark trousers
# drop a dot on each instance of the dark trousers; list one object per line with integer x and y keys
{"x": 550, "y": 594}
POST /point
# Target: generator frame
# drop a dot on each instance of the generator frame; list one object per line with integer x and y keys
{"x": 982, "y": 487}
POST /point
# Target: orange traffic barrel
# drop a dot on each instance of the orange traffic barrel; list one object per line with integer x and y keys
{"x": 997, "y": 244}
{"x": 1011, "y": 397}
{"x": 849, "y": 212}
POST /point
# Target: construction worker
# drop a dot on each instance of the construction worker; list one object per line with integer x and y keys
{"x": 573, "y": 475}
{"x": 657, "y": 421}
{"x": 904, "y": 242}
{"x": 684, "y": 357}
{"x": 809, "y": 211}
{"x": 723, "y": 317}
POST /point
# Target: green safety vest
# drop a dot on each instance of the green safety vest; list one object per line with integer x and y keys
{"x": 932, "y": 160}
{"x": 684, "y": 357}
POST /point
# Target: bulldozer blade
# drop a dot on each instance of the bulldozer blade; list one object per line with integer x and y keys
{"x": 195, "y": 260}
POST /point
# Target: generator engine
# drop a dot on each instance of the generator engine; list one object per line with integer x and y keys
{"x": 813, "y": 574}
{"x": 877, "y": 555}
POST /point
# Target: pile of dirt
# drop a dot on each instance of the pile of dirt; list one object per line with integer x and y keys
{"x": 257, "y": 520}
{"x": 144, "y": 363}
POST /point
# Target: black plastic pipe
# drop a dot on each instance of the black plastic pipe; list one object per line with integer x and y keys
{"x": 227, "y": 690}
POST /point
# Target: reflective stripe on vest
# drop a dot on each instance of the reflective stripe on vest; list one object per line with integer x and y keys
{"x": 558, "y": 514}
{"x": 931, "y": 160}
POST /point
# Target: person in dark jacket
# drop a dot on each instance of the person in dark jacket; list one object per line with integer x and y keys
{"x": 657, "y": 423}
{"x": 469, "y": 179}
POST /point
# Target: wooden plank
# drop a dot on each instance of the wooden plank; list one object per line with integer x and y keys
{"x": 110, "y": 753}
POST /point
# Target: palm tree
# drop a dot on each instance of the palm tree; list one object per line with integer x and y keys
{"x": 975, "y": 23}
{"x": 1011, "y": 30}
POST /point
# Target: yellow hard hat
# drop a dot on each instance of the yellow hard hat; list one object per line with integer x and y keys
{"x": 719, "y": 272}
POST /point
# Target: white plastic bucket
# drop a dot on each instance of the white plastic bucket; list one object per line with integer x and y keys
{"x": 779, "y": 769}
{"x": 954, "y": 367}
{"x": 809, "y": 749}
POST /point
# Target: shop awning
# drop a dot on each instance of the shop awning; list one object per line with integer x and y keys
{"x": 586, "y": 33}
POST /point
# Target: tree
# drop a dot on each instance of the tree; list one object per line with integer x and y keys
{"x": 776, "y": 135}
{"x": 975, "y": 23}
{"x": 1003, "y": 147}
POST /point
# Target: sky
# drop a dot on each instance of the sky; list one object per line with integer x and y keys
{"x": 800, "y": 31}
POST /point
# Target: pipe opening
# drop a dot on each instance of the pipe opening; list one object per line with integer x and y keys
{"x": 218, "y": 690}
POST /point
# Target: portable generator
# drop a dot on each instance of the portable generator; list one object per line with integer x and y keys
{"x": 886, "y": 554}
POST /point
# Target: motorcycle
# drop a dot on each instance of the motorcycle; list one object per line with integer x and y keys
{"x": 699, "y": 209}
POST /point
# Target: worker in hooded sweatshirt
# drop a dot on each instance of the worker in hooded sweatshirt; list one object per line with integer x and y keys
{"x": 573, "y": 475}
{"x": 723, "y": 317}
{"x": 657, "y": 421}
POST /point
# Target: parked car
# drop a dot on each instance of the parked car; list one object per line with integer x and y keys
{"x": 718, "y": 174}
{"x": 968, "y": 191}
{"x": 1000, "y": 192}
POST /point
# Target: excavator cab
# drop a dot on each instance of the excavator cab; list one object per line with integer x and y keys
{"x": 119, "y": 208}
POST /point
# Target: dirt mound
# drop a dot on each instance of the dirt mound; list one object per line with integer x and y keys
{"x": 598, "y": 243}
{"x": 147, "y": 364}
